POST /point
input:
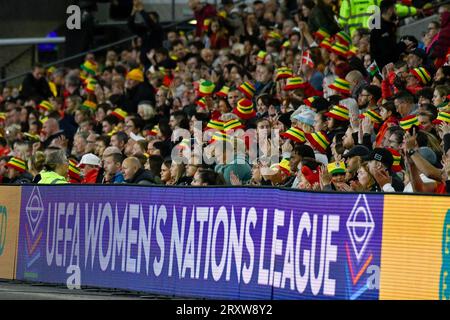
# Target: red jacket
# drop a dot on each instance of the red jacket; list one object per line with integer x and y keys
{"x": 439, "y": 48}
{"x": 91, "y": 176}
{"x": 207, "y": 11}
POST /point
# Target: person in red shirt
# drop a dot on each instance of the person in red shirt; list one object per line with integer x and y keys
{"x": 90, "y": 166}
{"x": 202, "y": 11}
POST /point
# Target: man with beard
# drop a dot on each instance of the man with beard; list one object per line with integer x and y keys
{"x": 368, "y": 98}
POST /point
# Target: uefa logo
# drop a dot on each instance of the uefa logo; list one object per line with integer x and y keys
{"x": 3, "y": 225}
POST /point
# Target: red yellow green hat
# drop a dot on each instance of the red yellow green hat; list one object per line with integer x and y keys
{"x": 286, "y": 44}
{"x": 17, "y": 164}
{"x": 396, "y": 165}
{"x": 274, "y": 35}
{"x": 206, "y": 88}
{"x": 340, "y": 49}
{"x": 443, "y": 116}
{"x": 89, "y": 105}
{"x": 74, "y": 172}
{"x": 326, "y": 44}
{"x": 261, "y": 55}
{"x": 45, "y": 105}
{"x": 336, "y": 167}
{"x": 283, "y": 166}
{"x": 248, "y": 89}
{"x": 119, "y": 114}
{"x": 136, "y": 75}
{"x": 215, "y": 124}
{"x": 223, "y": 92}
{"x": 32, "y": 137}
{"x": 2, "y": 116}
{"x": 408, "y": 122}
{"x": 309, "y": 101}
{"x": 244, "y": 109}
{"x": 219, "y": 136}
{"x": 201, "y": 103}
{"x": 374, "y": 116}
{"x": 90, "y": 85}
{"x": 284, "y": 73}
{"x": 154, "y": 131}
{"x": 90, "y": 67}
{"x": 319, "y": 140}
{"x": 233, "y": 124}
{"x": 338, "y": 112}
{"x": 421, "y": 74}
{"x": 343, "y": 38}
{"x": 294, "y": 83}
{"x": 295, "y": 134}
{"x": 341, "y": 85}
{"x": 321, "y": 34}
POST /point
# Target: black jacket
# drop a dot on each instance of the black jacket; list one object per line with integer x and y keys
{"x": 142, "y": 177}
{"x": 32, "y": 88}
{"x": 383, "y": 44}
{"x": 151, "y": 33}
{"x": 141, "y": 92}
{"x": 25, "y": 177}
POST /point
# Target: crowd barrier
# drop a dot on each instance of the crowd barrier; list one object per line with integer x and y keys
{"x": 228, "y": 243}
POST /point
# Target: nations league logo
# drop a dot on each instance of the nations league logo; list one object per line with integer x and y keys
{"x": 360, "y": 226}
{"x": 3, "y": 225}
{"x": 34, "y": 210}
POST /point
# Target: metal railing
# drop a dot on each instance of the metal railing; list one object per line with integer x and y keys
{"x": 32, "y": 41}
{"x": 4, "y": 79}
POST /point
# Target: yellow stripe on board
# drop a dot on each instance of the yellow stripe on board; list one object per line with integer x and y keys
{"x": 411, "y": 254}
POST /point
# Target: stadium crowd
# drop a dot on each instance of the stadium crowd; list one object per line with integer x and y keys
{"x": 256, "y": 94}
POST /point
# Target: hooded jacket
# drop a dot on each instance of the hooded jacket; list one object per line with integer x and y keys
{"x": 142, "y": 177}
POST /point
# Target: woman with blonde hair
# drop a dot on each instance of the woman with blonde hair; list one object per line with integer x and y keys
{"x": 366, "y": 182}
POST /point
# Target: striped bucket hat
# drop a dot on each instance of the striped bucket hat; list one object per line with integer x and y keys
{"x": 341, "y": 85}
{"x": 284, "y": 166}
{"x": 295, "y": 134}
{"x": 17, "y": 164}
{"x": 283, "y": 73}
{"x": 340, "y": 49}
{"x": 322, "y": 34}
{"x": 343, "y": 38}
{"x": 408, "y": 122}
{"x": 421, "y": 74}
{"x": 233, "y": 124}
{"x": 319, "y": 140}
{"x": 74, "y": 172}
{"x": 89, "y": 105}
{"x": 326, "y": 44}
{"x": 119, "y": 114}
{"x": 374, "y": 116}
{"x": 206, "y": 88}
{"x": 294, "y": 83}
{"x": 201, "y": 103}
{"x": 396, "y": 165}
{"x": 223, "y": 92}
{"x": 45, "y": 105}
{"x": 261, "y": 56}
{"x": 215, "y": 124}
{"x": 244, "y": 109}
{"x": 339, "y": 113}
{"x": 90, "y": 67}
{"x": 248, "y": 89}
